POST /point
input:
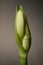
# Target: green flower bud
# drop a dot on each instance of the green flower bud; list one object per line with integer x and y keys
{"x": 26, "y": 42}
{"x": 20, "y": 24}
{"x": 23, "y": 35}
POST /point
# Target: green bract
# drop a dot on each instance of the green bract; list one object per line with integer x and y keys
{"x": 22, "y": 32}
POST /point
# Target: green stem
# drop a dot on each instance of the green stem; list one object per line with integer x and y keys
{"x": 23, "y": 58}
{"x": 23, "y": 61}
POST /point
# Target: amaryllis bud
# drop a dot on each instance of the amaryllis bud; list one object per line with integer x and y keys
{"x": 20, "y": 23}
{"x": 22, "y": 34}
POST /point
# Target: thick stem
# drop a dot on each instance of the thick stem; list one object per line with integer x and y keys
{"x": 23, "y": 58}
{"x": 23, "y": 61}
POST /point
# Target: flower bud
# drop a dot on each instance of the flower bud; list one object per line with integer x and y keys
{"x": 26, "y": 42}
{"x": 20, "y": 23}
{"x": 23, "y": 35}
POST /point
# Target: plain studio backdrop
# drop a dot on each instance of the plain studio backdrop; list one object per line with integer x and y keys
{"x": 9, "y": 53}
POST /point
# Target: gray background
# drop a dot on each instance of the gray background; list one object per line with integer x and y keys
{"x": 9, "y": 54}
